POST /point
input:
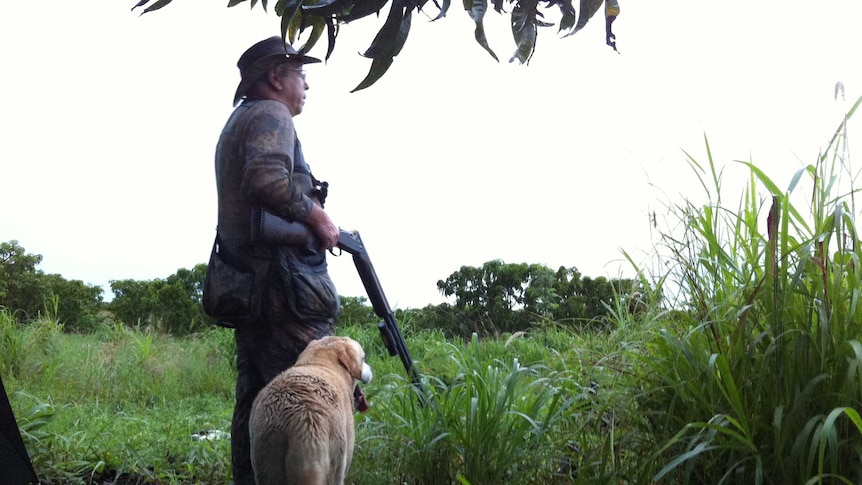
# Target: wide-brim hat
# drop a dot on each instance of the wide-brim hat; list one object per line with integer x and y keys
{"x": 255, "y": 61}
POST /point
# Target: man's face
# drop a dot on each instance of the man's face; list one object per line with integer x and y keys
{"x": 292, "y": 94}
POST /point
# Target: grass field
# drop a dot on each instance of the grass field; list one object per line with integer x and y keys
{"x": 127, "y": 401}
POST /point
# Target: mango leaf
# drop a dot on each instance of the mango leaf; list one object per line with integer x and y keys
{"x": 378, "y": 69}
{"x": 418, "y": 4}
{"x": 362, "y": 9}
{"x": 477, "y": 9}
{"x": 288, "y": 30}
{"x": 387, "y": 44}
{"x": 280, "y": 5}
{"x": 317, "y": 24}
{"x": 442, "y": 8}
{"x": 386, "y": 37}
{"x": 518, "y": 19}
{"x": 328, "y": 7}
{"x": 610, "y": 38}
{"x": 524, "y": 31}
{"x": 588, "y": 9}
{"x": 288, "y": 14}
{"x": 331, "y": 34}
{"x": 568, "y": 11}
{"x": 406, "y": 22}
{"x": 234, "y": 3}
{"x": 159, "y": 4}
{"x": 483, "y": 41}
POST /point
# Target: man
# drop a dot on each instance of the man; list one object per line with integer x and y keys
{"x": 259, "y": 162}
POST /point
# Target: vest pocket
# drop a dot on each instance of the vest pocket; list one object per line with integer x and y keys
{"x": 311, "y": 294}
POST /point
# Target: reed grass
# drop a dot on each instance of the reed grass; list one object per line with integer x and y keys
{"x": 761, "y": 381}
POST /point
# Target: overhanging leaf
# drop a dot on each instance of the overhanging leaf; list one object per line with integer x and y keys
{"x": 289, "y": 12}
{"x": 524, "y": 31}
{"x": 483, "y": 41}
{"x": 443, "y": 9}
{"x": 328, "y": 7}
{"x": 526, "y": 40}
{"x": 291, "y": 21}
{"x": 140, "y": 4}
{"x": 331, "y": 34}
{"x": 362, "y": 9}
{"x": 159, "y": 4}
{"x": 568, "y": 15}
{"x": 387, "y": 44}
{"x": 476, "y": 9}
{"x": 378, "y": 69}
{"x": 403, "y": 31}
{"x": 612, "y": 9}
{"x": 317, "y": 25}
{"x": 280, "y": 5}
{"x": 588, "y": 9}
{"x": 383, "y": 42}
{"x": 518, "y": 19}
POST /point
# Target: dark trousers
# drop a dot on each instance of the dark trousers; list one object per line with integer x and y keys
{"x": 263, "y": 351}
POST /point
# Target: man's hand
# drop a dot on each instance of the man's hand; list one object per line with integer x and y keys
{"x": 323, "y": 226}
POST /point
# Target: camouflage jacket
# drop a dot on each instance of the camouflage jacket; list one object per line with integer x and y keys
{"x": 254, "y": 164}
{"x": 259, "y": 161}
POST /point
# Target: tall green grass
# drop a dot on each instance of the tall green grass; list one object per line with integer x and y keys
{"x": 27, "y": 349}
{"x": 492, "y": 422}
{"x": 760, "y": 381}
{"x": 121, "y": 400}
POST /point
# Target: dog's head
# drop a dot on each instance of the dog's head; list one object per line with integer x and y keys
{"x": 349, "y": 354}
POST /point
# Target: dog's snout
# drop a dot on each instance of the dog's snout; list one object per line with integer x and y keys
{"x": 366, "y": 373}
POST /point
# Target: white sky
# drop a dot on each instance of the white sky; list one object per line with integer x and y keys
{"x": 110, "y": 119}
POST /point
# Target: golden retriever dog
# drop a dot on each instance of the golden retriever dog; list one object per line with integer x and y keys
{"x": 301, "y": 423}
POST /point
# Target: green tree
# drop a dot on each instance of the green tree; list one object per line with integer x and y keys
{"x": 20, "y": 290}
{"x": 76, "y": 303}
{"x": 132, "y": 302}
{"x": 598, "y": 292}
{"x": 27, "y": 292}
{"x": 571, "y": 306}
{"x": 510, "y": 297}
{"x": 355, "y": 311}
{"x": 172, "y": 305}
{"x": 526, "y": 18}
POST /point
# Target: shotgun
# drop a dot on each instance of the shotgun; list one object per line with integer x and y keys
{"x": 350, "y": 242}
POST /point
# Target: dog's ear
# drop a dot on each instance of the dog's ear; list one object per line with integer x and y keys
{"x": 350, "y": 356}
